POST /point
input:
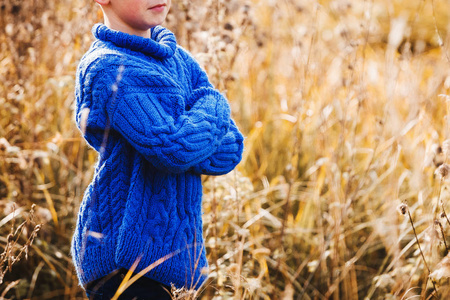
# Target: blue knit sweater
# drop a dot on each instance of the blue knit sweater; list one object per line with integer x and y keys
{"x": 149, "y": 110}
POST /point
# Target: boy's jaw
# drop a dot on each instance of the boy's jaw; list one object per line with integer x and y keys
{"x": 135, "y": 17}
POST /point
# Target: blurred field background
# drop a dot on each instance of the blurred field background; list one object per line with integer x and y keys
{"x": 344, "y": 105}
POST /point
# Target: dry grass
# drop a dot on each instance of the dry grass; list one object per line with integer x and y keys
{"x": 344, "y": 105}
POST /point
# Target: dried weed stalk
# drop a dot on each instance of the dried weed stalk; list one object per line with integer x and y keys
{"x": 14, "y": 251}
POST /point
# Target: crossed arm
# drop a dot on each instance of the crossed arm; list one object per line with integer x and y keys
{"x": 229, "y": 152}
{"x": 203, "y": 139}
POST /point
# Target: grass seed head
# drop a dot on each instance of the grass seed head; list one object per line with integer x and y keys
{"x": 443, "y": 171}
{"x": 402, "y": 208}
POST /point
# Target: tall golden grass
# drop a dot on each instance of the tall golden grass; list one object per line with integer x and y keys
{"x": 344, "y": 105}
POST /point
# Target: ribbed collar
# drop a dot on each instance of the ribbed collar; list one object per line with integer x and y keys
{"x": 162, "y": 43}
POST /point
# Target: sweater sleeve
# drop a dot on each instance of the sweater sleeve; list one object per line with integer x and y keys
{"x": 199, "y": 78}
{"x": 226, "y": 157}
{"x": 229, "y": 152}
{"x": 139, "y": 107}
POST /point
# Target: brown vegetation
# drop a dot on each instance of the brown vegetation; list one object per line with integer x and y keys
{"x": 344, "y": 105}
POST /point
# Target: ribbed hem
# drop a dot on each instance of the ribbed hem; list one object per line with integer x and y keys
{"x": 180, "y": 267}
{"x": 96, "y": 262}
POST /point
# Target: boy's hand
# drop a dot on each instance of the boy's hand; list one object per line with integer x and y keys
{"x": 226, "y": 157}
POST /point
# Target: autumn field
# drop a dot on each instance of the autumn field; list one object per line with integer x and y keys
{"x": 343, "y": 189}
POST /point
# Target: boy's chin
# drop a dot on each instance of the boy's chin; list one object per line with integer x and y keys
{"x": 157, "y": 22}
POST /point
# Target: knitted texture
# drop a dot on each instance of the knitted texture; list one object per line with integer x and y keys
{"x": 157, "y": 123}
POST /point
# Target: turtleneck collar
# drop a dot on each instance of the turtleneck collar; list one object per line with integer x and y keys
{"x": 161, "y": 44}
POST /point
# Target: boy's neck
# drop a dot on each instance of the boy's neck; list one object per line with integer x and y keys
{"x": 116, "y": 24}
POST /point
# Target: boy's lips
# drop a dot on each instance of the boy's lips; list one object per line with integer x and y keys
{"x": 158, "y": 7}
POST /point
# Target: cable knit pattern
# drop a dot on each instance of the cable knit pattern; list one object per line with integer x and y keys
{"x": 149, "y": 110}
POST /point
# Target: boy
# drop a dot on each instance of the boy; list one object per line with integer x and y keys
{"x": 150, "y": 111}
